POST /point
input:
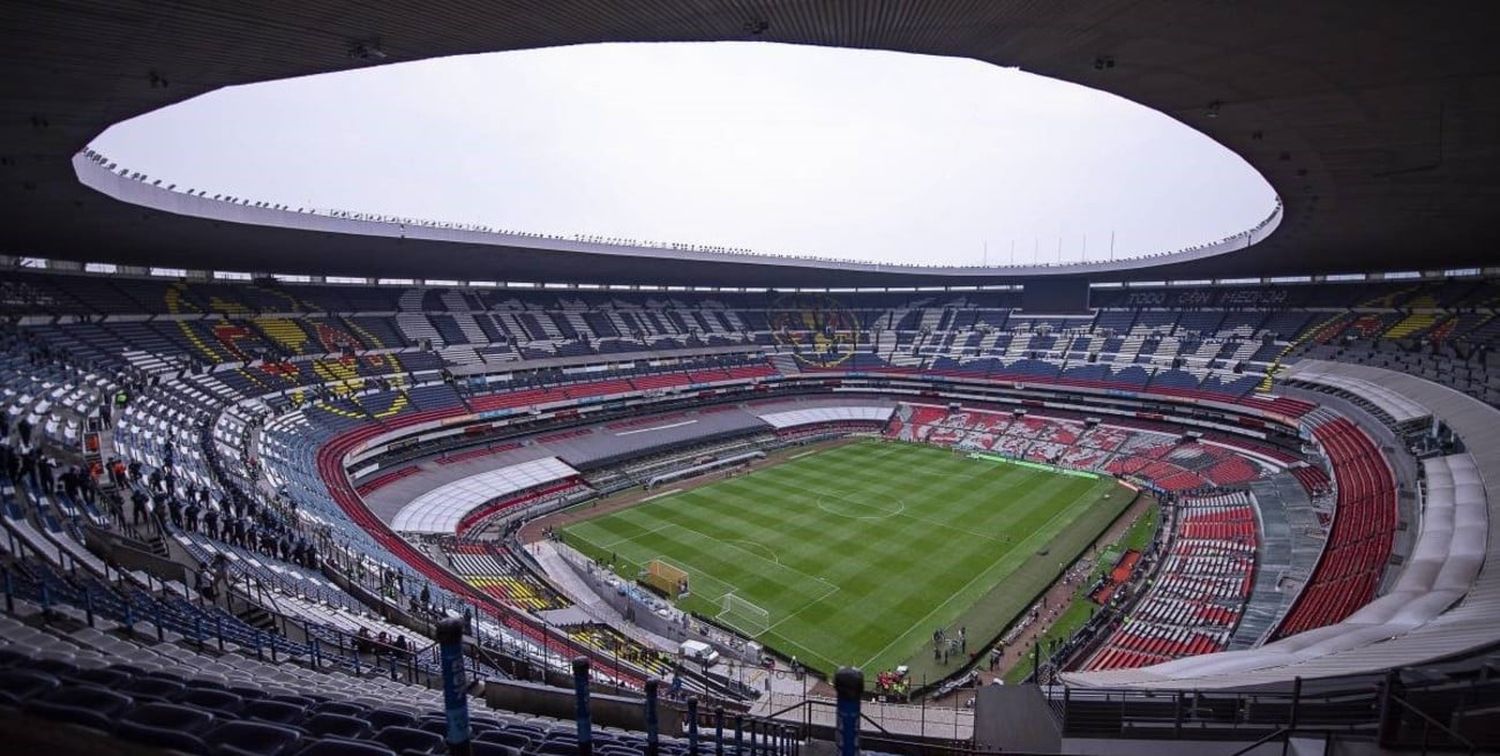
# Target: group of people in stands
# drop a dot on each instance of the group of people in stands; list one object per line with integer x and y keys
{"x": 22, "y": 460}
{"x": 382, "y": 644}
{"x": 235, "y": 519}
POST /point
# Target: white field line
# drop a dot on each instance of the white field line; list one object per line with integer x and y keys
{"x": 610, "y": 546}
{"x": 656, "y": 428}
{"x": 975, "y": 579}
{"x": 832, "y": 589}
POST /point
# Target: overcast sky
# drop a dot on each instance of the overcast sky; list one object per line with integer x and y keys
{"x": 869, "y": 155}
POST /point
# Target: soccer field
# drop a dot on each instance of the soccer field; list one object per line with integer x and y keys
{"x": 855, "y": 555}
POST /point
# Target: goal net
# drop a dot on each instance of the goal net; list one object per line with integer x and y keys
{"x": 668, "y": 579}
{"x": 744, "y": 616}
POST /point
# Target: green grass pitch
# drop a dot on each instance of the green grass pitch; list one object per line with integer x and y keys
{"x": 859, "y": 552}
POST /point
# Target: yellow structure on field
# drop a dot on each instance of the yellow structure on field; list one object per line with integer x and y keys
{"x": 669, "y": 579}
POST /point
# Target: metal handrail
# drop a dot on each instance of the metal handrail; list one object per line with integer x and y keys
{"x": 1280, "y": 733}
{"x": 1432, "y": 722}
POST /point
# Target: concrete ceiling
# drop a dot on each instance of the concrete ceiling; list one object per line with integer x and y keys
{"x": 1378, "y": 123}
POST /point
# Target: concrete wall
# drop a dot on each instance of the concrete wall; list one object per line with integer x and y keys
{"x": 606, "y": 710}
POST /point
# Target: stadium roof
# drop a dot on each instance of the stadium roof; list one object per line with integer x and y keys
{"x": 1378, "y": 124}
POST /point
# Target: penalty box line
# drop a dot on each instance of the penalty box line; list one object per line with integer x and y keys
{"x": 832, "y": 589}
{"x": 746, "y": 551}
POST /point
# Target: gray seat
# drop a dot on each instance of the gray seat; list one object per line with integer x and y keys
{"x": 82, "y": 705}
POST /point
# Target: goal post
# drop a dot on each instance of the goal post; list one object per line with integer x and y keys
{"x": 668, "y": 579}
{"x": 744, "y": 616}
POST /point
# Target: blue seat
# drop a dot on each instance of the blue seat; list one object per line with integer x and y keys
{"x": 83, "y": 705}
{"x": 529, "y": 730}
{"x": 253, "y": 739}
{"x": 248, "y": 694}
{"x": 516, "y": 740}
{"x": 306, "y": 702}
{"x": 341, "y": 707}
{"x": 218, "y": 701}
{"x": 328, "y": 723}
{"x": 440, "y": 726}
{"x": 166, "y": 725}
{"x": 342, "y": 747}
{"x": 103, "y": 678}
{"x": 18, "y": 685}
{"x": 152, "y": 688}
{"x": 275, "y": 712}
{"x": 411, "y": 740}
{"x": 54, "y": 667}
{"x": 380, "y": 719}
{"x": 480, "y": 748}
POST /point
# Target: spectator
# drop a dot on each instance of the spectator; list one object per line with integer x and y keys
{"x": 138, "y": 509}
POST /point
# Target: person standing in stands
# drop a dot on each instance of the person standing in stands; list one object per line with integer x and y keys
{"x": 190, "y": 515}
{"x": 221, "y": 568}
{"x": 174, "y": 508}
{"x": 28, "y": 468}
{"x": 89, "y": 485}
{"x": 138, "y": 510}
{"x": 211, "y": 522}
{"x": 69, "y": 482}
{"x": 159, "y": 512}
{"x": 44, "y": 472}
{"x": 206, "y": 587}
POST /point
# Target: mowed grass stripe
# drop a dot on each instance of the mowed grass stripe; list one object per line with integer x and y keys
{"x": 956, "y": 605}
{"x": 854, "y": 551}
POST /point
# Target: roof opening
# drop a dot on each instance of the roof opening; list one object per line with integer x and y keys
{"x": 854, "y": 154}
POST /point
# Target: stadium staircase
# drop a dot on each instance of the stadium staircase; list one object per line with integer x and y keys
{"x": 416, "y": 326}
{"x": 1317, "y": 334}
{"x": 785, "y": 364}
{"x": 1415, "y": 322}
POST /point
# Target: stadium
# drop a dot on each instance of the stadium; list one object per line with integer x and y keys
{"x": 408, "y": 486}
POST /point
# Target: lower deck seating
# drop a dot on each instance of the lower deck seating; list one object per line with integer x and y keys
{"x": 1199, "y": 593}
{"x": 1118, "y": 449}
